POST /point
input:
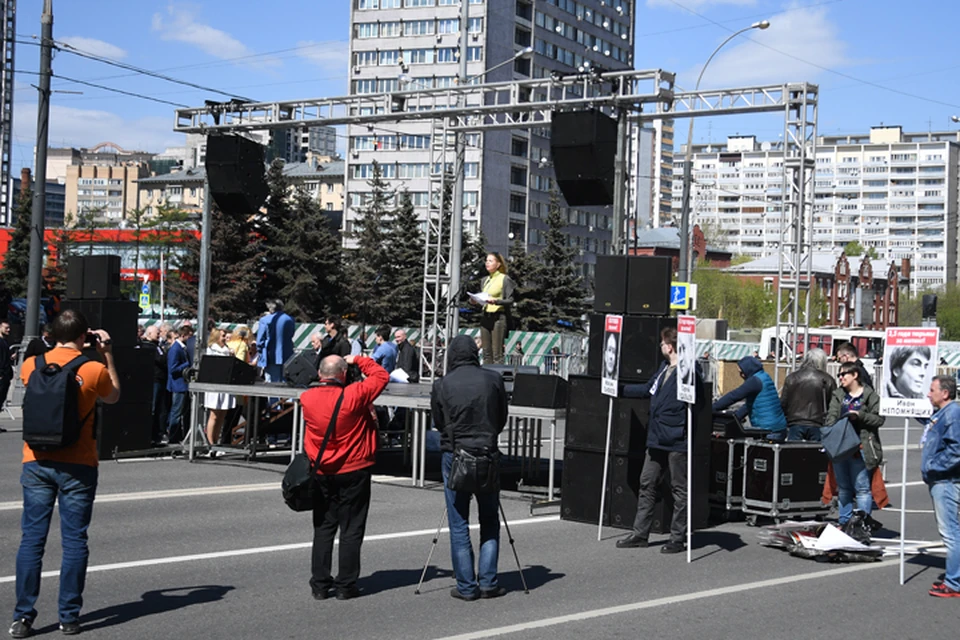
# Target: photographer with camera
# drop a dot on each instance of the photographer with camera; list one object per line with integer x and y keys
{"x": 60, "y": 463}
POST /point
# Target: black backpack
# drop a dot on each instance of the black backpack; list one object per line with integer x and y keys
{"x": 51, "y": 405}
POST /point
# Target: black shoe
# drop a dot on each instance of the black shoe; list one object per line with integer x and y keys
{"x": 70, "y": 628}
{"x": 21, "y": 628}
{"x": 347, "y": 593}
{"x": 632, "y": 541}
{"x": 321, "y": 595}
{"x": 492, "y": 593}
{"x": 454, "y": 592}
{"x": 673, "y": 547}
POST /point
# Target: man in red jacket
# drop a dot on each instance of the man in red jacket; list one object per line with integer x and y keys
{"x": 343, "y": 475}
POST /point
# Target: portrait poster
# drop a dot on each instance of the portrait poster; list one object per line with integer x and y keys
{"x": 909, "y": 366}
{"x": 612, "y": 328}
{"x": 686, "y": 359}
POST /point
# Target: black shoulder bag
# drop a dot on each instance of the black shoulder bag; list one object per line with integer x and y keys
{"x": 298, "y": 486}
{"x": 473, "y": 473}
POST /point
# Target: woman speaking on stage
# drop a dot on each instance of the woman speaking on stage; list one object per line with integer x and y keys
{"x": 493, "y": 326}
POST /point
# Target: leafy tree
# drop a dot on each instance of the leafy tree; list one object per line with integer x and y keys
{"x": 16, "y": 262}
{"x": 529, "y": 308}
{"x": 368, "y": 271}
{"x": 560, "y": 281}
{"x": 854, "y": 249}
{"x": 58, "y": 263}
{"x": 408, "y": 248}
{"x": 309, "y": 261}
{"x": 740, "y": 259}
{"x": 138, "y": 222}
{"x": 88, "y": 222}
{"x": 183, "y": 274}
{"x": 744, "y": 303}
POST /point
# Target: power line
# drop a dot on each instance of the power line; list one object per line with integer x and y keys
{"x": 121, "y": 91}
{"x": 736, "y": 20}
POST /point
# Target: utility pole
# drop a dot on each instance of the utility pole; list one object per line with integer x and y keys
{"x": 32, "y": 321}
{"x": 456, "y": 217}
{"x": 203, "y": 293}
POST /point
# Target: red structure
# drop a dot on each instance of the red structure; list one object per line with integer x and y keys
{"x": 665, "y": 241}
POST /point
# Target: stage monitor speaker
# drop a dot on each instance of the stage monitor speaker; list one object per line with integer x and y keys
{"x": 101, "y": 277}
{"x": 225, "y": 370}
{"x": 583, "y": 146}
{"x": 116, "y": 317}
{"x": 135, "y": 368}
{"x": 929, "y": 306}
{"x": 123, "y": 427}
{"x": 586, "y": 425}
{"x": 536, "y": 390}
{"x": 236, "y": 174}
{"x": 639, "y": 346}
{"x": 648, "y": 285}
{"x": 300, "y": 369}
{"x": 610, "y": 285}
{"x": 509, "y": 373}
{"x": 75, "y": 266}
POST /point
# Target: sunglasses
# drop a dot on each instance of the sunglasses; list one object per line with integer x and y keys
{"x": 844, "y": 373}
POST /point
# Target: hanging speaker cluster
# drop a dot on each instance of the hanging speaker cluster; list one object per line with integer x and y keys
{"x": 583, "y": 145}
{"x": 235, "y": 173}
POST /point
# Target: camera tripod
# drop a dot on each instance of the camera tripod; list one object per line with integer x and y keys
{"x": 436, "y": 536}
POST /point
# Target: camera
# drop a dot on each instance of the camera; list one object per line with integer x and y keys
{"x": 93, "y": 338}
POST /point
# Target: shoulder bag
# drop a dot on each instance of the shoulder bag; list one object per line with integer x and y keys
{"x": 473, "y": 472}
{"x": 298, "y": 485}
{"x": 840, "y": 440}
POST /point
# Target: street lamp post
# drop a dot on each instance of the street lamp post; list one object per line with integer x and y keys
{"x": 684, "y": 270}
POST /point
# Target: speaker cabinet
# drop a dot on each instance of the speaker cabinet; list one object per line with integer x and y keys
{"x": 101, "y": 277}
{"x": 583, "y": 145}
{"x": 648, "y": 285}
{"x": 300, "y": 369}
{"x": 116, "y": 317}
{"x": 225, "y": 370}
{"x": 135, "y": 369}
{"x": 586, "y": 425}
{"x": 929, "y": 306}
{"x": 509, "y": 373}
{"x": 123, "y": 427}
{"x": 536, "y": 390}
{"x": 235, "y": 172}
{"x": 639, "y": 347}
{"x": 610, "y": 285}
{"x": 75, "y": 277}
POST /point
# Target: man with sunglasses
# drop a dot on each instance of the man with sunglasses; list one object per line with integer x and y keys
{"x": 761, "y": 402}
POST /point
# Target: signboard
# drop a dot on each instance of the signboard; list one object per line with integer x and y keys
{"x": 145, "y": 288}
{"x": 612, "y": 327}
{"x": 686, "y": 359}
{"x": 909, "y": 366}
{"x": 144, "y": 301}
{"x": 680, "y": 295}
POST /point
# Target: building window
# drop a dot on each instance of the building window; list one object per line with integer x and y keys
{"x": 389, "y": 29}
{"x": 418, "y": 3}
{"x": 518, "y": 176}
{"x": 367, "y": 30}
{"x": 518, "y": 203}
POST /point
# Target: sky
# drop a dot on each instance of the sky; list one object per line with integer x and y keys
{"x": 876, "y": 61}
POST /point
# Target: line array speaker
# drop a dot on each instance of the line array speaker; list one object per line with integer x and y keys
{"x": 583, "y": 145}
{"x": 235, "y": 173}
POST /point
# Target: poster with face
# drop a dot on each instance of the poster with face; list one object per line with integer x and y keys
{"x": 686, "y": 359}
{"x": 909, "y": 366}
{"x": 611, "y": 354}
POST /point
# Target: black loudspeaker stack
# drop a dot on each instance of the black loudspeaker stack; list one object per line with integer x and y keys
{"x": 93, "y": 289}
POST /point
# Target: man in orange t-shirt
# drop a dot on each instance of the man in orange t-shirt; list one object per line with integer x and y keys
{"x": 67, "y": 475}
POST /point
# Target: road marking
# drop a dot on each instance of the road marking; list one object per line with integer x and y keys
{"x": 915, "y": 483}
{"x": 168, "y": 493}
{"x": 232, "y": 553}
{"x": 660, "y": 602}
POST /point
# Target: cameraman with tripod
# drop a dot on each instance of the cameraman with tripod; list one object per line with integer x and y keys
{"x": 469, "y": 407}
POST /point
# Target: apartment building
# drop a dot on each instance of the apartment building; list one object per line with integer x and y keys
{"x": 411, "y": 44}
{"x": 293, "y": 144}
{"x": 895, "y": 193}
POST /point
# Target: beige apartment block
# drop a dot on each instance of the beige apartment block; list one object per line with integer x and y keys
{"x": 110, "y": 191}
{"x": 180, "y": 189}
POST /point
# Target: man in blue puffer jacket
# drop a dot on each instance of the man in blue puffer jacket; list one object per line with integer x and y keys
{"x": 666, "y": 450}
{"x": 762, "y": 402}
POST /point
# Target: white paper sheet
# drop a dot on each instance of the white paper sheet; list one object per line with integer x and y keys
{"x": 480, "y": 298}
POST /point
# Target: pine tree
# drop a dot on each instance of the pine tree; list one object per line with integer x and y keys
{"x": 273, "y": 229}
{"x": 235, "y": 253}
{"x": 88, "y": 222}
{"x": 407, "y": 253}
{"x": 472, "y": 272}
{"x": 529, "y": 308}
{"x": 309, "y": 261}
{"x": 183, "y": 275}
{"x": 58, "y": 263}
{"x": 562, "y": 282}
{"x": 368, "y": 269}
{"x": 16, "y": 262}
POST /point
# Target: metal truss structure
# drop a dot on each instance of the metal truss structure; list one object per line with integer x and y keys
{"x": 9, "y": 9}
{"x": 643, "y": 95}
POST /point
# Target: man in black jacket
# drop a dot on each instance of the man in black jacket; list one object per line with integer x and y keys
{"x": 161, "y": 401}
{"x": 805, "y": 397}
{"x": 846, "y": 352}
{"x": 408, "y": 358}
{"x": 335, "y": 343}
{"x": 469, "y": 407}
{"x": 666, "y": 450}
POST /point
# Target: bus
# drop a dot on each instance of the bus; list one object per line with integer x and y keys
{"x": 869, "y": 344}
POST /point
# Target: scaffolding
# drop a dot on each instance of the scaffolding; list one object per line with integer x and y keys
{"x": 9, "y": 8}
{"x": 522, "y": 104}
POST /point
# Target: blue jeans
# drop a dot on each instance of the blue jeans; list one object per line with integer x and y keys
{"x": 43, "y": 482}
{"x": 461, "y": 550}
{"x": 853, "y": 478}
{"x": 798, "y": 432}
{"x": 946, "y": 504}
{"x": 175, "y": 418}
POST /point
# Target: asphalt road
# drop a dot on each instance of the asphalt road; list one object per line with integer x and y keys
{"x": 208, "y": 549}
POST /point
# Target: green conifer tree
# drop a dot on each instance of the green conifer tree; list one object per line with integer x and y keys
{"x": 561, "y": 282}
{"x": 16, "y": 262}
{"x": 407, "y": 253}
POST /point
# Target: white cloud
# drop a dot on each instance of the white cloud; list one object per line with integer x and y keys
{"x": 807, "y": 35}
{"x": 73, "y": 127}
{"x": 696, "y": 4}
{"x": 180, "y": 25}
{"x": 95, "y": 47}
{"x": 331, "y": 56}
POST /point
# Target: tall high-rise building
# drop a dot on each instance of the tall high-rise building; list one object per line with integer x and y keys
{"x": 508, "y": 173}
{"x": 894, "y": 193}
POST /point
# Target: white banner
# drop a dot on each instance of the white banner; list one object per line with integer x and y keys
{"x": 686, "y": 359}
{"x": 909, "y": 365}
{"x": 612, "y": 329}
